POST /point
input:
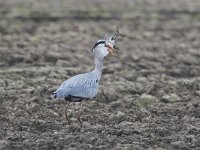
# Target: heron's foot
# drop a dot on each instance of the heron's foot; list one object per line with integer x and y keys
{"x": 79, "y": 114}
{"x": 79, "y": 118}
{"x": 66, "y": 116}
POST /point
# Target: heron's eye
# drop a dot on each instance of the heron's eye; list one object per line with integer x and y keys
{"x": 112, "y": 38}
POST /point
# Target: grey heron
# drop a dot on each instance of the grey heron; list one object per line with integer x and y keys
{"x": 85, "y": 86}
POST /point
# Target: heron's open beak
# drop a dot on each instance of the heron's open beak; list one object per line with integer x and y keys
{"x": 111, "y": 49}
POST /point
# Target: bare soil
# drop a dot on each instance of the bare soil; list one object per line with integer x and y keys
{"x": 149, "y": 94}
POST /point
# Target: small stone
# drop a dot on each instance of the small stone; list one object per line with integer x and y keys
{"x": 170, "y": 98}
{"x": 148, "y": 34}
{"x": 72, "y": 148}
{"x": 3, "y": 144}
{"x": 145, "y": 100}
{"x": 179, "y": 145}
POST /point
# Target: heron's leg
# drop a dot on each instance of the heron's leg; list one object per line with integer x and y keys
{"x": 66, "y": 115}
{"x": 78, "y": 114}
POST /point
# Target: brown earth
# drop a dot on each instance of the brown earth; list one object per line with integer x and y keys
{"x": 149, "y": 93}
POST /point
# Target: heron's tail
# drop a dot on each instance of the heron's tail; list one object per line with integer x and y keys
{"x": 54, "y": 94}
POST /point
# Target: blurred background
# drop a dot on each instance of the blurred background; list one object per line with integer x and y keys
{"x": 149, "y": 92}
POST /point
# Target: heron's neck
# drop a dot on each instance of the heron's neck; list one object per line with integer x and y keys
{"x": 98, "y": 66}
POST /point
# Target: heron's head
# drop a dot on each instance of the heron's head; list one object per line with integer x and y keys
{"x": 107, "y": 45}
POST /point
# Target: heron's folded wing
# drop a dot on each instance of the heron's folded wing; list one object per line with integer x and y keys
{"x": 83, "y": 85}
{"x": 86, "y": 87}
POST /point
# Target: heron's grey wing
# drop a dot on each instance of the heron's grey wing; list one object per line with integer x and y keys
{"x": 86, "y": 86}
{"x": 83, "y": 85}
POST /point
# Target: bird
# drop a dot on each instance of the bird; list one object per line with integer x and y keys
{"x": 85, "y": 86}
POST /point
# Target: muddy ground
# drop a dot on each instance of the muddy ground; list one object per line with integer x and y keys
{"x": 149, "y": 93}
